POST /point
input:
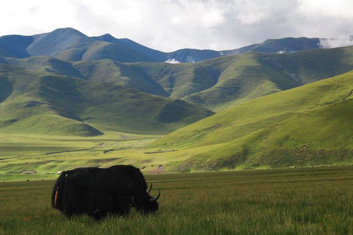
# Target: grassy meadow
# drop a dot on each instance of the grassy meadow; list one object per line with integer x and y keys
{"x": 285, "y": 201}
{"x": 48, "y": 155}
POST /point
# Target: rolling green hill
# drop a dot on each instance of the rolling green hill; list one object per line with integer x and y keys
{"x": 253, "y": 75}
{"x": 43, "y": 103}
{"x": 214, "y": 84}
{"x": 282, "y": 45}
{"x": 305, "y": 126}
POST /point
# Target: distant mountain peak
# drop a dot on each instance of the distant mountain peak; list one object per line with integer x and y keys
{"x": 68, "y": 31}
{"x": 106, "y": 37}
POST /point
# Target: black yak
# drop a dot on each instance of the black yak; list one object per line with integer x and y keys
{"x": 98, "y": 192}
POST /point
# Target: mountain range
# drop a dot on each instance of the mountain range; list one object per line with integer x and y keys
{"x": 45, "y": 103}
{"x": 71, "y": 45}
{"x": 214, "y": 84}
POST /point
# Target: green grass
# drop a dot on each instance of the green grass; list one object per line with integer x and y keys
{"x": 305, "y": 126}
{"x": 47, "y": 104}
{"x": 50, "y": 154}
{"x": 215, "y": 84}
{"x": 292, "y": 201}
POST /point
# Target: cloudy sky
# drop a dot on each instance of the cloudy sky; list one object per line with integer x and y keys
{"x": 168, "y": 25}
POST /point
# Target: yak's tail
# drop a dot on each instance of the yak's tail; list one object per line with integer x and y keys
{"x": 56, "y": 197}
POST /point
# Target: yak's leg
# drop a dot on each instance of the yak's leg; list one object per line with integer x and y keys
{"x": 98, "y": 205}
{"x": 72, "y": 200}
{"x": 123, "y": 205}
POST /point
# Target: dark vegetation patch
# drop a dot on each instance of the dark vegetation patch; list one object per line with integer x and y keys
{"x": 173, "y": 112}
{"x": 7, "y": 122}
{"x": 161, "y": 151}
{"x": 32, "y": 104}
{"x": 211, "y": 128}
{"x": 108, "y": 150}
{"x": 69, "y": 151}
{"x": 6, "y": 89}
{"x": 82, "y": 129}
{"x": 101, "y": 161}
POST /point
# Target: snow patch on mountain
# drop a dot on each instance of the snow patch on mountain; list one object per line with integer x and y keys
{"x": 189, "y": 59}
{"x": 172, "y": 61}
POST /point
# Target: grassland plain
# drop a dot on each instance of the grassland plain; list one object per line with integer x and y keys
{"x": 284, "y": 201}
{"x": 49, "y": 154}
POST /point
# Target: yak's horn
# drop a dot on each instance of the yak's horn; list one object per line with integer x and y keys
{"x": 156, "y": 198}
{"x": 149, "y": 190}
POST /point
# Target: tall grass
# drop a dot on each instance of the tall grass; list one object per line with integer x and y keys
{"x": 295, "y": 201}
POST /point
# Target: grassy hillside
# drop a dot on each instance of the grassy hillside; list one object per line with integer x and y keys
{"x": 224, "y": 82}
{"x": 43, "y": 103}
{"x": 45, "y": 64}
{"x": 151, "y": 54}
{"x": 302, "y": 127}
{"x": 257, "y": 74}
{"x": 214, "y": 84}
{"x": 282, "y": 45}
{"x": 15, "y": 45}
{"x": 108, "y": 71}
{"x": 309, "y": 125}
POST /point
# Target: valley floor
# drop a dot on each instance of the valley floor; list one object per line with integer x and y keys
{"x": 285, "y": 201}
{"x": 35, "y": 157}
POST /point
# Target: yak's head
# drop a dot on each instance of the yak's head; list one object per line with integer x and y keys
{"x": 148, "y": 204}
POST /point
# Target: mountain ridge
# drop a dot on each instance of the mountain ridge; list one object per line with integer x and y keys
{"x": 213, "y": 84}
{"x": 71, "y": 45}
{"x": 47, "y": 103}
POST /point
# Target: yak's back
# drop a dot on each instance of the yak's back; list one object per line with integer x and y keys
{"x": 118, "y": 177}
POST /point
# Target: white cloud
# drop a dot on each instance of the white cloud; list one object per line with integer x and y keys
{"x": 169, "y": 25}
{"x": 341, "y": 41}
{"x": 250, "y": 12}
{"x": 327, "y": 8}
